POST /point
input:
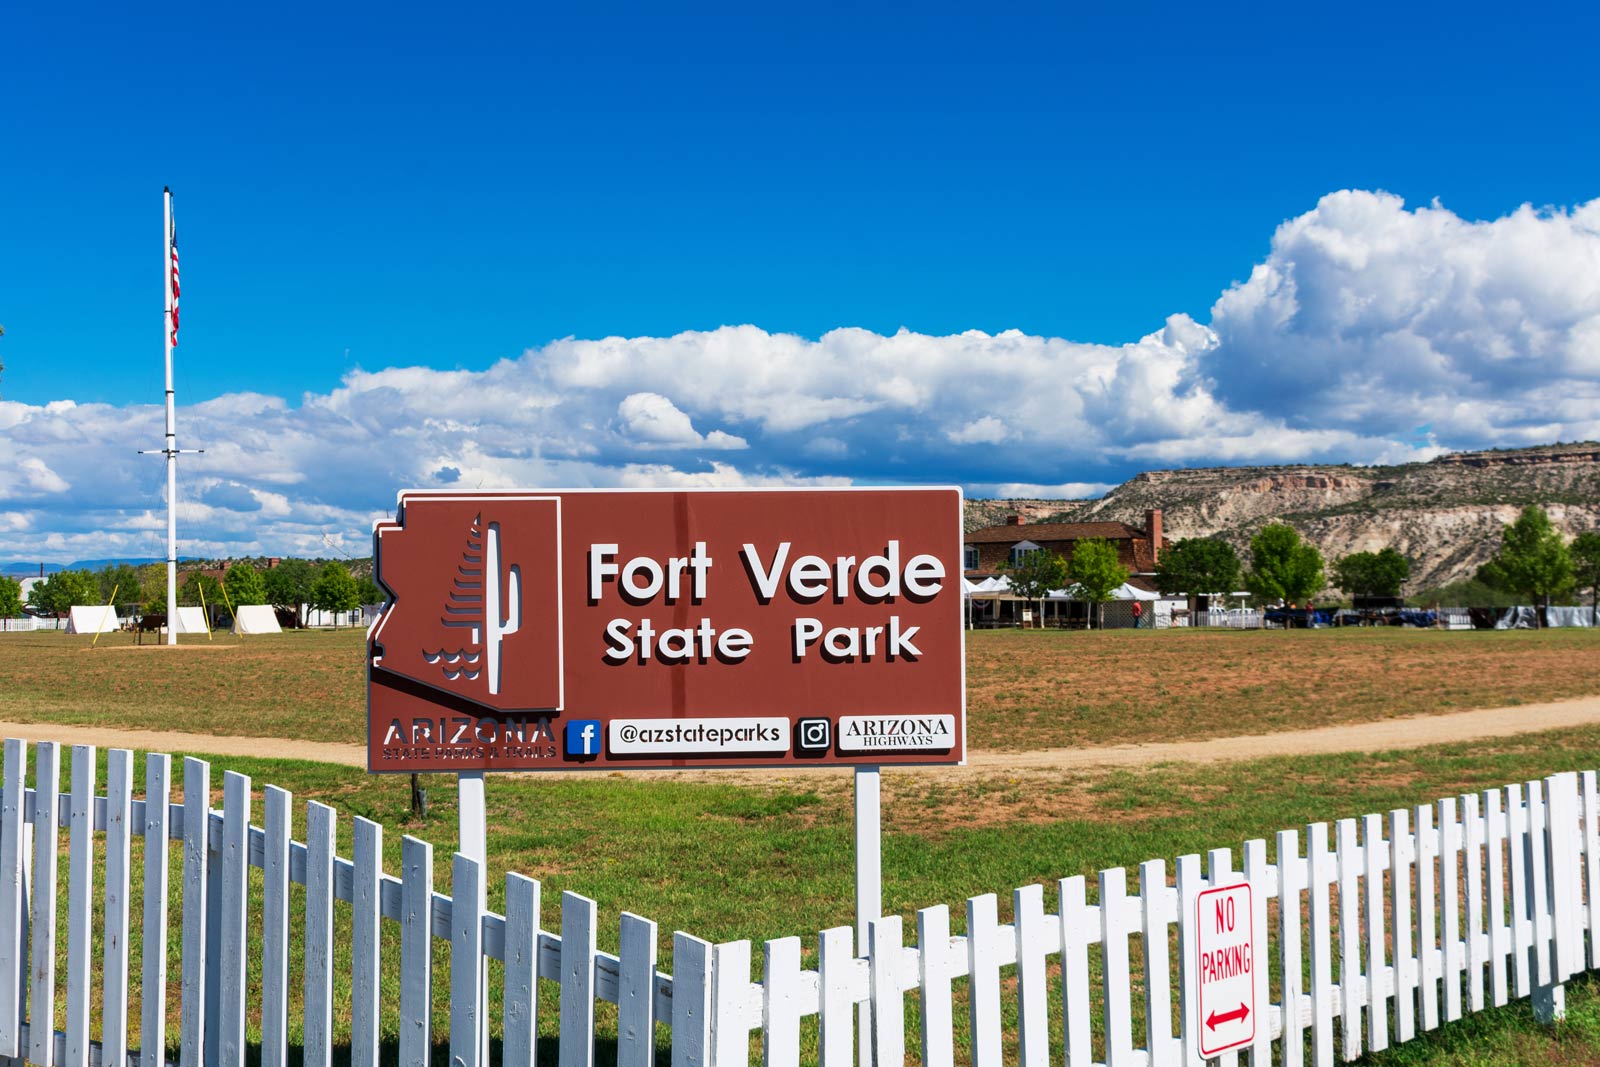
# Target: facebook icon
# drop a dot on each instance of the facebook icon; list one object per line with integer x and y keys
{"x": 583, "y": 738}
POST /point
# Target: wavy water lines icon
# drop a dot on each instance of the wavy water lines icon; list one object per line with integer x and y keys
{"x": 474, "y": 604}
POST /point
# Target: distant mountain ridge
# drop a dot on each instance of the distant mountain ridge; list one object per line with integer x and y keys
{"x": 1445, "y": 515}
{"x": 31, "y": 570}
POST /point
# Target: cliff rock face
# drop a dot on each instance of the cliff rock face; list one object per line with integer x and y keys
{"x": 1446, "y": 515}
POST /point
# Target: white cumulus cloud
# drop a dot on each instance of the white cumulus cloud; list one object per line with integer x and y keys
{"x": 1370, "y": 333}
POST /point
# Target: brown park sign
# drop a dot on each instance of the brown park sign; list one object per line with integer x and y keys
{"x": 600, "y": 629}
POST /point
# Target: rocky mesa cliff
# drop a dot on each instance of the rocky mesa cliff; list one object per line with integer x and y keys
{"x": 1446, "y": 515}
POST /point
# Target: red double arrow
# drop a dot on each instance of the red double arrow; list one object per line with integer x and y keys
{"x": 1238, "y": 1014}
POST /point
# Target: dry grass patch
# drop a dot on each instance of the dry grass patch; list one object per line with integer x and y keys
{"x": 1039, "y": 689}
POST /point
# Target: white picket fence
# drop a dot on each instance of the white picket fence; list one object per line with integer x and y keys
{"x": 1396, "y": 924}
{"x": 1234, "y": 619}
{"x": 18, "y": 624}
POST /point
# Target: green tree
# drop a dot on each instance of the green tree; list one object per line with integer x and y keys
{"x": 1585, "y": 552}
{"x": 1198, "y": 566}
{"x": 121, "y": 578}
{"x": 245, "y": 585}
{"x": 10, "y": 598}
{"x": 63, "y": 590}
{"x": 153, "y": 588}
{"x": 196, "y": 586}
{"x": 367, "y": 590}
{"x": 1468, "y": 592}
{"x": 289, "y": 587}
{"x": 334, "y": 590}
{"x": 1380, "y": 573}
{"x": 1282, "y": 566}
{"x": 1096, "y": 572}
{"x": 1035, "y": 574}
{"x": 1533, "y": 560}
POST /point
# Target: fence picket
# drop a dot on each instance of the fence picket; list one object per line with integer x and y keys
{"x": 1591, "y": 863}
{"x": 1428, "y": 955}
{"x": 1520, "y": 857}
{"x": 157, "y": 882}
{"x": 1403, "y": 848}
{"x": 1255, "y": 872}
{"x": 46, "y": 840}
{"x": 192, "y": 988}
{"x": 416, "y": 952}
{"x": 234, "y": 870}
{"x": 577, "y": 980}
{"x": 1561, "y": 797}
{"x": 691, "y": 997}
{"x": 1351, "y": 984}
{"x": 275, "y": 927}
{"x": 983, "y": 965}
{"x": 1477, "y": 941}
{"x": 888, "y": 1003}
{"x": 636, "y": 993}
{"x": 466, "y": 970}
{"x": 936, "y": 972}
{"x": 1539, "y": 885}
{"x": 730, "y": 986}
{"x": 1076, "y": 935}
{"x": 1116, "y": 980}
{"x": 1376, "y": 853}
{"x": 1190, "y": 885}
{"x": 520, "y": 1013}
{"x": 1291, "y": 880}
{"x": 1450, "y": 945}
{"x": 365, "y": 978}
{"x": 1499, "y": 931}
{"x": 1156, "y": 902}
{"x": 780, "y": 1002}
{"x": 321, "y": 830}
{"x": 13, "y": 962}
{"x": 1033, "y": 994}
{"x": 114, "y": 947}
{"x": 1322, "y": 874}
{"x": 835, "y": 1012}
{"x": 80, "y": 905}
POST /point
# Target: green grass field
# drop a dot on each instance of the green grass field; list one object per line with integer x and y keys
{"x": 771, "y": 857}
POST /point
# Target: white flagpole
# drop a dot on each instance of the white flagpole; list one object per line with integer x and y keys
{"x": 171, "y": 451}
{"x": 172, "y": 429}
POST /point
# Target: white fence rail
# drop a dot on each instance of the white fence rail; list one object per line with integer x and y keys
{"x": 1245, "y": 619}
{"x": 27, "y": 623}
{"x": 1372, "y": 931}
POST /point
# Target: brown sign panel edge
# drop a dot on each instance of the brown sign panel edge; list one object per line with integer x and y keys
{"x": 446, "y": 700}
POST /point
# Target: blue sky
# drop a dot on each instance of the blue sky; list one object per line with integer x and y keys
{"x": 383, "y": 187}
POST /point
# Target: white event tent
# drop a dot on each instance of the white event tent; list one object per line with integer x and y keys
{"x": 92, "y": 619}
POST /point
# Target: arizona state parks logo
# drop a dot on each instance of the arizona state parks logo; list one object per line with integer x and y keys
{"x": 460, "y": 570}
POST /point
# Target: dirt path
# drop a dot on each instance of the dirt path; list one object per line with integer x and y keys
{"x": 1386, "y": 734}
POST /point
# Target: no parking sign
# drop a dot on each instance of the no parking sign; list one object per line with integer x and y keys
{"x": 1226, "y": 950}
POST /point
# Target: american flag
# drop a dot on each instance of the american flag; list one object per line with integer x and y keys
{"x": 172, "y": 243}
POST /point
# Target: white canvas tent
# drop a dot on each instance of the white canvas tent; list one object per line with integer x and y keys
{"x": 256, "y": 619}
{"x": 191, "y": 620}
{"x": 92, "y": 619}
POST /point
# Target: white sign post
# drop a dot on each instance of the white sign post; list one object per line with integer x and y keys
{"x": 1227, "y": 959}
{"x": 869, "y": 886}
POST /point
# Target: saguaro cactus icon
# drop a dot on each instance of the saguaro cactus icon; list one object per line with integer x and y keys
{"x": 476, "y": 603}
{"x": 497, "y": 626}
